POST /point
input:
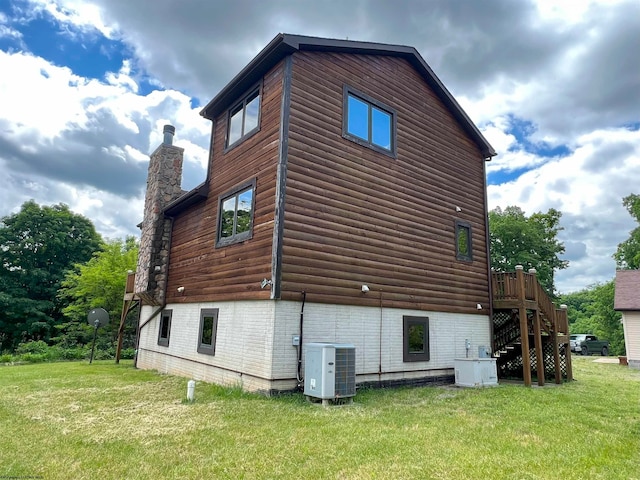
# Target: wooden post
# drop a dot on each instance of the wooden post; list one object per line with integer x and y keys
{"x": 556, "y": 355}
{"x": 125, "y": 310}
{"x": 524, "y": 326}
{"x": 127, "y": 304}
{"x": 567, "y": 347}
{"x": 537, "y": 333}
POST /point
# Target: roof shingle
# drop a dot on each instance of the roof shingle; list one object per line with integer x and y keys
{"x": 627, "y": 290}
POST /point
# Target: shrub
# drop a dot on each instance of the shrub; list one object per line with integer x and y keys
{"x": 76, "y": 353}
{"x": 6, "y": 358}
{"x": 32, "y": 357}
{"x": 38, "y": 347}
{"x": 127, "y": 353}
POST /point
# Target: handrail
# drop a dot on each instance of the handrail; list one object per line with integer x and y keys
{"x": 504, "y": 286}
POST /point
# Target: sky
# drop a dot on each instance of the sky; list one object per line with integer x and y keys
{"x": 86, "y": 86}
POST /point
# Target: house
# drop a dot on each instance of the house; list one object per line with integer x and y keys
{"x": 627, "y": 301}
{"x": 345, "y": 201}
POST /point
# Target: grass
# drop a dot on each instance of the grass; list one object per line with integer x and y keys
{"x": 107, "y": 421}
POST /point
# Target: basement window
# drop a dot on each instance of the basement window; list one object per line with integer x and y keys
{"x": 244, "y": 118}
{"x": 235, "y": 214}
{"x": 369, "y": 122}
{"x": 415, "y": 339}
{"x": 208, "y": 330}
{"x": 464, "y": 250}
{"x": 165, "y": 328}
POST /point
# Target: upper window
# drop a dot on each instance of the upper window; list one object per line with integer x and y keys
{"x": 208, "y": 331}
{"x": 244, "y": 118}
{"x": 165, "y": 328}
{"x": 369, "y": 122}
{"x": 415, "y": 339}
{"x": 235, "y": 215}
{"x": 463, "y": 241}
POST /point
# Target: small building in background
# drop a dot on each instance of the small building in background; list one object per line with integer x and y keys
{"x": 627, "y": 301}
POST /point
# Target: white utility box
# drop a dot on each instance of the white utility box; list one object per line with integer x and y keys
{"x": 329, "y": 370}
{"x": 476, "y": 372}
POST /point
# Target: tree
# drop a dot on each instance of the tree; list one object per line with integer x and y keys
{"x": 37, "y": 245}
{"x": 100, "y": 282}
{"x": 591, "y": 311}
{"x": 528, "y": 241}
{"x": 628, "y": 254}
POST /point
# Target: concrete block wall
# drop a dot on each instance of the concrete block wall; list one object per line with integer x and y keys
{"x": 364, "y": 327}
{"x": 254, "y": 342}
{"x": 243, "y": 350}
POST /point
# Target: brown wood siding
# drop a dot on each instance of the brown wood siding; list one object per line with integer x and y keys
{"x": 354, "y": 216}
{"x": 231, "y": 272}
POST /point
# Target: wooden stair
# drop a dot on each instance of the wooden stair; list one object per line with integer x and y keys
{"x": 520, "y": 304}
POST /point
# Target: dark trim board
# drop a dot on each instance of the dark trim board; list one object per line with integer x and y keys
{"x": 281, "y": 180}
{"x": 410, "y": 382}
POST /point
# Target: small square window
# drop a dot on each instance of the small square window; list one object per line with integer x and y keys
{"x": 208, "y": 330}
{"x": 415, "y": 339}
{"x": 244, "y": 118}
{"x": 464, "y": 249}
{"x": 369, "y": 122}
{"x": 165, "y": 328}
{"x": 235, "y": 215}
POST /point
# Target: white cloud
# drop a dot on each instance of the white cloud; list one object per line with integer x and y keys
{"x": 65, "y": 138}
{"x": 80, "y": 15}
{"x": 587, "y": 186}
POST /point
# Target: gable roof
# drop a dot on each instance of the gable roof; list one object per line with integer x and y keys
{"x": 285, "y": 44}
{"x": 627, "y": 295}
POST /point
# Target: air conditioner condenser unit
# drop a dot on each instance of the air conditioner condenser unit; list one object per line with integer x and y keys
{"x": 329, "y": 370}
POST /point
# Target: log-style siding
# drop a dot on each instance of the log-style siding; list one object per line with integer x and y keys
{"x": 354, "y": 216}
{"x": 231, "y": 272}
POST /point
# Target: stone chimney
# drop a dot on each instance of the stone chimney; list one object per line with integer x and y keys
{"x": 163, "y": 186}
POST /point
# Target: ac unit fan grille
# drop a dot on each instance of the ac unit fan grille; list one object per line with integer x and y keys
{"x": 345, "y": 372}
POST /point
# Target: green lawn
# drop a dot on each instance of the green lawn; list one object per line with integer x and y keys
{"x": 106, "y": 421}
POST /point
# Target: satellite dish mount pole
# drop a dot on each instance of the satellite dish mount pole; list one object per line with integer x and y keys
{"x": 96, "y": 324}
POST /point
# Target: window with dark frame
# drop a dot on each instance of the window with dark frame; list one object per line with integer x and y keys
{"x": 415, "y": 339}
{"x": 244, "y": 118}
{"x": 208, "y": 330}
{"x": 165, "y": 328}
{"x": 369, "y": 122}
{"x": 235, "y": 215}
{"x": 464, "y": 250}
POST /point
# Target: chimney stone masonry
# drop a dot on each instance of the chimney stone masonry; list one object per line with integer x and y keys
{"x": 163, "y": 186}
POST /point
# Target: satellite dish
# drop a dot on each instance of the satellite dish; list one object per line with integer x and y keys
{"x": 98, "y": 317}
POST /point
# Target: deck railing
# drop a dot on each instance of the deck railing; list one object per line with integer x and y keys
{"x": 562, "y": 320}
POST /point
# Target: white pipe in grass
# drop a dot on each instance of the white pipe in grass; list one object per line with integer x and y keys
{"x": 191, "y": 390}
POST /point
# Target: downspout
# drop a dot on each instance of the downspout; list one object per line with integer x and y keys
{"x": 299, "y": 376}
{"x": 380, "y": 342}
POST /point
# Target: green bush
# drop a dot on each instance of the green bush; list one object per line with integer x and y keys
{"x": 6, "y": 358}
{"x": 76, "y": 353}
{"x": 37, "y": 347}
{"x": 32, "y": 357}
{"x": 39, "y": 351}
